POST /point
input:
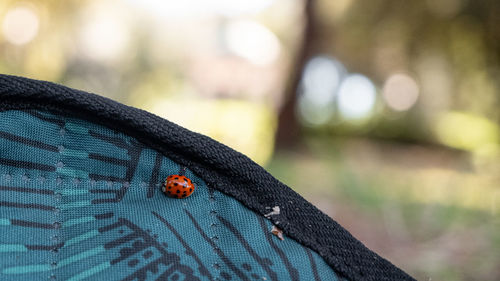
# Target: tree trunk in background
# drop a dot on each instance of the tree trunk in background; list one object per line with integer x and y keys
{"x": 288, "y": 127}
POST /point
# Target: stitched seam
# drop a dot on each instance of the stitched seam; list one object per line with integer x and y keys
{"x": 58, "y": 237}
{"x": 214, "y": 230}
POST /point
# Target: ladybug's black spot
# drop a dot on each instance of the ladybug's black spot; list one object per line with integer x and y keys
{"x": 176, "y": 184}
{"x": 184, "y": 195}
{"x": 176, "y": 178}
{"x": 190, "y": 190}
{"x": 169, "y": 187}
{"x": 178, "y": 191}
{"x": 186, "y": 179}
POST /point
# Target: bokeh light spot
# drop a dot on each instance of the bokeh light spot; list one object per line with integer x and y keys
{"x": 253, "y": 41}
{"x": 319, "y": 85}
{"x": 20, "y": 25}
{"x": 356, "y": 97}
{"x": 104, "y": 35}
{"x": 400, "y": 92}
{"x": 321, "y": 79}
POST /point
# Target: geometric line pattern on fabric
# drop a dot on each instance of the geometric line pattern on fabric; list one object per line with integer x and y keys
{"x": 95, "y": 211}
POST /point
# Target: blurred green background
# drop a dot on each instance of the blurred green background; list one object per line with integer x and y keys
{"x": 383, "y": 113}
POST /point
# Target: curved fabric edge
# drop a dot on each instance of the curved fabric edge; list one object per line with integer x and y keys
{"x": 221, "y": 167}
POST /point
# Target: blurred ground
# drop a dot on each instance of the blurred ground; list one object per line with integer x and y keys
{"x": 421, "y": 207}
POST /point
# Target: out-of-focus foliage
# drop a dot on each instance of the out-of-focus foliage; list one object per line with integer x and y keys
{"x": 427, "y": 58}
{"x": 217, "y": 68}
{"x": 397, "y": 102}
{"x": 428, "y": 159}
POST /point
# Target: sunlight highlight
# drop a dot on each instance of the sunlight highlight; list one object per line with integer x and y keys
{"x": 247, "y": 127}
{"x": 253, "y": 41}
{"x": 466, "y": 131}
{"x": 20, "y": 25}
{"x": 104, "y": 35}
{"x": 400, "y": 92}
{"x": 356, "y": 97}
{"x": 318, "y": 89}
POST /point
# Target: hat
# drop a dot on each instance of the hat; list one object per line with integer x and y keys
{"x": 91, "y": 189}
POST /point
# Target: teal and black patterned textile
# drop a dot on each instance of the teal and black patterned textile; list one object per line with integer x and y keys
{"x": 80, "y": 199}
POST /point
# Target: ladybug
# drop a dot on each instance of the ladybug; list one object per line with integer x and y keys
{"x": 177, "y": 186}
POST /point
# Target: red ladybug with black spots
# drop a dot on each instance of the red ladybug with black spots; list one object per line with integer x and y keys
{"x": 177, "y": 186}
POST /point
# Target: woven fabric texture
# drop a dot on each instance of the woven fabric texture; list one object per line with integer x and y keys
{"x": 222, "y": 169}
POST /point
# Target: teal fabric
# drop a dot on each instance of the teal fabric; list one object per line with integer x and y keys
{"x": 80, "y": 201}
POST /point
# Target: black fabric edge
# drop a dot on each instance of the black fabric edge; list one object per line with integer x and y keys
{"x": 221, "y": 167}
